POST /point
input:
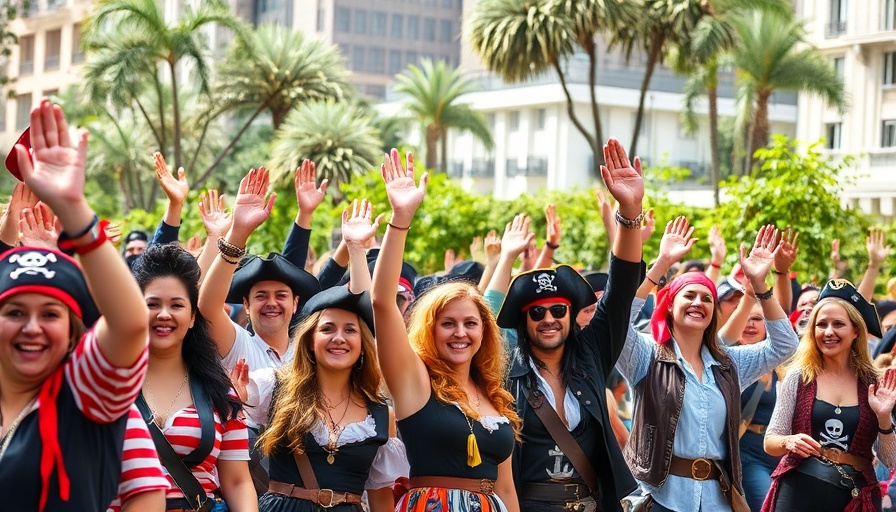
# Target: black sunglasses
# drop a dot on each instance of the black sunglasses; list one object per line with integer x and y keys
{"x": 537, "y": 313}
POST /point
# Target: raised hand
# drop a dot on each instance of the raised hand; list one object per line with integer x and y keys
{"x": 239, "y": 377}
{"x": 250, "y": 209}
{"x": 649, "y": 226}
{"x": 517, "y": 236}
{"x": 38, "y": 227}
{"x": 717, "y": 248}
{"x": 789, "y": 248}
{"x": 878, "y": 250}
{"x": 676, "y": 242}
{"x": 553, "y": 226}
{"x": 757, "y": 265}
{"x": 882, "y": 396}
{"x": 193, "y": 245}
{"x": 623, "y": 179}
{"x": 404, "y": 194}
{"x": 477, "y": 252}
{"x": 309, "y": 195}
{"x": 22, "y": 197}
{"x": 492, "y": 247}
{"x": 175, "y": 188}
{"x": 215, "y": 217}
{"x": 357, "y": 226}
{"x": 58, "y": 173}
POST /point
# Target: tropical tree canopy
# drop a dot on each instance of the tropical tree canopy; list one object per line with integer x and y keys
{"x": 433, "y": 98}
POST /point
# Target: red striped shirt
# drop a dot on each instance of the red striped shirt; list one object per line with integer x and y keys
{"x": 141, "y": 470}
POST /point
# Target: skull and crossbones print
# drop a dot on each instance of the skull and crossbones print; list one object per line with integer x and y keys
{"x": 833, "y": 435}
{"x": 545, "y": 283}
{"x": 32, "y": 263}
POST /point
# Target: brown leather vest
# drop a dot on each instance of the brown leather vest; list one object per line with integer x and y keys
{"x": 660, "y": 396}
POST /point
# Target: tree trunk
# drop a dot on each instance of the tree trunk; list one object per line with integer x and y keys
{"x": 656, "y": 45}
{"x": 162, "y": 136}
{"x": 748, "y": 157}
{"x": 712, "y": 93}
{"x": 598, "y": 155}
{"x": 432, "y": 141}
{"x": 571, "y": 111}
{"x": 443, "y": 140}
{"x": 175, "y": 105}
{"x": 760, "y": 122}
{"x": 208, "y": 172}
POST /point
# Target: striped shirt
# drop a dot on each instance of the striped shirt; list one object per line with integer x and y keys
{"x": 183, "y": 431}
{"x": 141, "y": 470}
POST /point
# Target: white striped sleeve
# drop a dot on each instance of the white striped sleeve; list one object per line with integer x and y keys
{"x": 141, "y": 470}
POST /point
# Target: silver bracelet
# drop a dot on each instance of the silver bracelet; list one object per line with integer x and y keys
{"x": 630, "y": 224}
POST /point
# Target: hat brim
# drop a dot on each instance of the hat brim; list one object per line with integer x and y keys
{"x": 569, "y": 284}
{"x": 340, "y": 297}
{"x": 273, "y": 268}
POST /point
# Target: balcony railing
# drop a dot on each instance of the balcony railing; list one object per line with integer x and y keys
{"x": 883, "y": 159}
{"x": 532, "y": 166}
{"x": 835, "y": 28}
{"x": 51, "y": 62}
{"x": 478, "y": 168}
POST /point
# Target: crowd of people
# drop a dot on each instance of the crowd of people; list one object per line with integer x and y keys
{"x": 196, "y": 377}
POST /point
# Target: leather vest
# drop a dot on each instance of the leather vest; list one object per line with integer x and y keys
{"x": 657, "y": 411}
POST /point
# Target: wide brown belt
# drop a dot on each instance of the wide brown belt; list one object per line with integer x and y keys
{"x": 484, "y": 485}
{"x": 324, "y": 497}
{"x": 756, "y": 428}
{"x": 839, "y": 456}
{"x": 698, "y": 469}
{"x": 554, "y": 491}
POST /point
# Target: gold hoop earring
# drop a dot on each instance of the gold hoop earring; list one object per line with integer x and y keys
{"x": 360, "y": 363}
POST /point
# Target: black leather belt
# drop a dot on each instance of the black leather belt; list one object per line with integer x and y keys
{"x": 554, "y": 491}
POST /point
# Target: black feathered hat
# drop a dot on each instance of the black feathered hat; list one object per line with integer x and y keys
{"x": 340, "y": 297}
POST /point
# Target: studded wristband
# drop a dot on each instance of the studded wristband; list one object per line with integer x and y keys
{"x": 630, "y": 223}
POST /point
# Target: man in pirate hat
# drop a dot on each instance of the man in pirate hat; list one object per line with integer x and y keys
{"x": 568, "y": 456}
{"x": 272, "y": 289}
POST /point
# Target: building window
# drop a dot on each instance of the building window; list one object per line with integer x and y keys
{"x": 26, "y": 55}
{"x": 541, "y": 116}
{"x": 429, "y": 29}
{"x": 360, "y": 21}
{"x": 378, "y": 23}
{"x": 411, "y": 58}
{"x": 53, "y": 4}
{"x": 888, "y": 134}
{"x": 413, "y": 27}
{"x": 397, "y": 26}
{"x": 447, "y": 31}
{"x": 837, "y": 24}
{"x": 447, "y": 4}
{"x": 889, "y": 11}
{"x": 395, "y": 64}
{"x": 839, "y": 64}
{"x": 52, "y": 49}
{"x": 23, "y": 111}
{"x": 513, "y": 123}
{"x": 377, "y": 61}
{"x": 321, "y": 19}
{"x": 832, "y": 134}
{"x": 77, "y": 54}
{"x": 358, "y": 58}
{"x": 342, "y": 19}
{"x": 889, "y": 68}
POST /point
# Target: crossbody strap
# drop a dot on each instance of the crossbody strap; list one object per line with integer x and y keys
{"x": 749, "y": 410}
{"x": 306, "y": 471}
{"x": 180, "y": 473}
{"x": 205, "y": 411}
{"x": 562, "y": 437}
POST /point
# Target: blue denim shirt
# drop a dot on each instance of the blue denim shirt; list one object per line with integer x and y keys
{"x": 701, "y": 427}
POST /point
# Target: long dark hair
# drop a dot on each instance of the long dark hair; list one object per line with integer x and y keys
{"x": 199, "y": 350}
{"x": 568, "y": 363}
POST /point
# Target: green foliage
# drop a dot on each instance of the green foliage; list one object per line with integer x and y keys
{"x": 802, "y": 190}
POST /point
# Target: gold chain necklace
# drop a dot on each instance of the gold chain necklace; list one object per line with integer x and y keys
{"x": 335, "y": 430}
{"x": 160, "y": 420}
{"x": 7, "y": 436}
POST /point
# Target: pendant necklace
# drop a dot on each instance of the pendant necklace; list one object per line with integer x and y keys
{"x": 837, "y": 409}
{"x": 335, "y": 430}
{"x": 473, "y": 456}
{"x": 160, "y": 420}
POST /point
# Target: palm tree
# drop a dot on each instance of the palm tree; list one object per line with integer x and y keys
{"x": 272, "y": 70}
{"x": 433, "y": 92}
{"x": 129, "y": 43}
{"x": 520, "y": 40}
{"x": 339, "y": 137}
{"x": 772, "y": 55}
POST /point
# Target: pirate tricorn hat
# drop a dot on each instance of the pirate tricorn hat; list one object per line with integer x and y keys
{"x": 843, "y": 289}
{"x": 273, "y": 268}
{"x": 527, "y": 288}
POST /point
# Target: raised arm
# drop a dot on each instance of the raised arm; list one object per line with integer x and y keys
{"x": 403, "y": 370}
{"x": 57, "y": 177}
{"x": 217, "y": 221}
{"x": 38, "y": 227}
{"x": 492, "y": 248}
{"x": 515, "y": 240}
{"x": 250, "y": 210}
{"x": 308, "y": 197}
{"x": 176, "y": 190}
{"x": 357, "y": 230}
{"x": 675, "y": 245}
{"x": 717, "y": 251}
{"x": 22, "y": 197}
{"x": 882, "y": 399}
{"x": 624, "y": 180}
{"x": 552, "y": 238}
{"x": 878, "y": 250}
{"x": 783, "y": 262}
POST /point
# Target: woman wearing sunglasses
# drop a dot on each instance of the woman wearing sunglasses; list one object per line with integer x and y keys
{"x": 683, "y": 448}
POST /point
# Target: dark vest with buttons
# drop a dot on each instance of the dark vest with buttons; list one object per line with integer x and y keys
{"x": 91, "y": 452}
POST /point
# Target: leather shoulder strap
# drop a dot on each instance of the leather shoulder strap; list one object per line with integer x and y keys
{"x": 204, "y": 409}
{"x": 562, "y": 437}
{"x": 183, "y": 477}
{"x": 309, "y": 480}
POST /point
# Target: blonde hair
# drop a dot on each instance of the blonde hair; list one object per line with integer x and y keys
{"x": 489, "y": 364}
{"x": 297, "y": 403}
{"x": 808, "y": 358}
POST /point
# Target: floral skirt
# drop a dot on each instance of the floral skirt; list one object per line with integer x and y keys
{"x": 441, "y": 499}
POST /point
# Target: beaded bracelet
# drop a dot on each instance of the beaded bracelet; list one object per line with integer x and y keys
{"x": 228, "y": 249}
{"x": 766, "y": 294}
